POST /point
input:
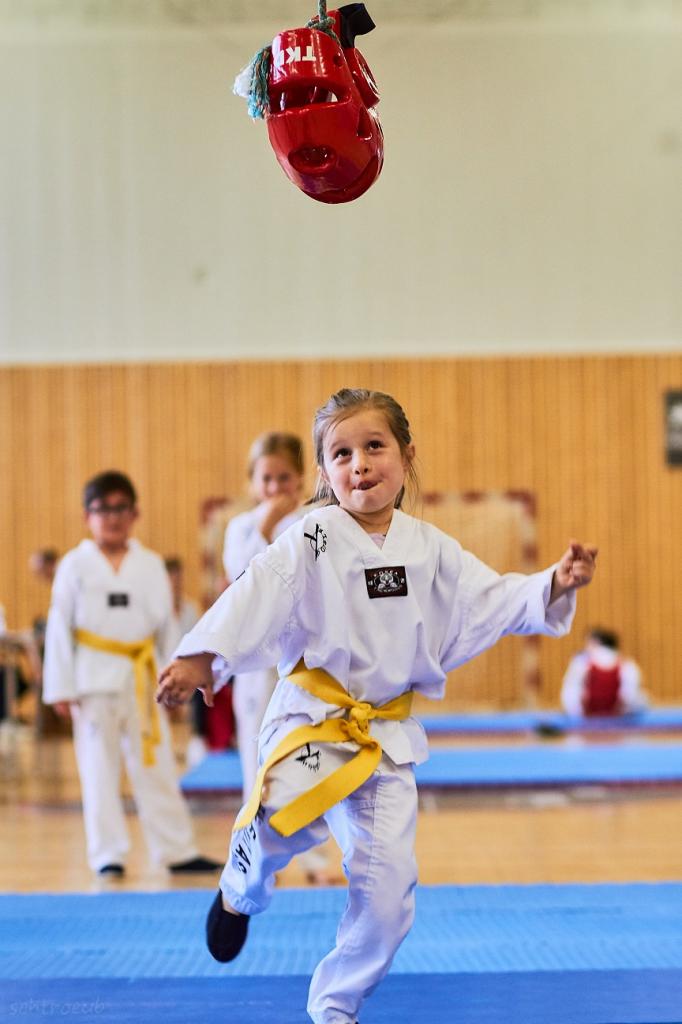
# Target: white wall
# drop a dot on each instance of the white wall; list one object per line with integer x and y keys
{"x": 531, "y": 199}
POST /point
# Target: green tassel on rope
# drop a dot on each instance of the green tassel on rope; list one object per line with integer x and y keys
{"x": 259, "y": 104}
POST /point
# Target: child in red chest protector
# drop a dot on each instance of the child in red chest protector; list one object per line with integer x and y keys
{"x": 600, "y": 681}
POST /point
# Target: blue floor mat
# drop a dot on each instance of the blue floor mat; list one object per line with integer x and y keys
{"x": 458, "y": 929}
{"x": 538, "y": 764}
{"x": 217, "y": 772}
{"x": 575, "y": 954}
{"x": 595, "y": 997}
{"x": 514, "y": 722}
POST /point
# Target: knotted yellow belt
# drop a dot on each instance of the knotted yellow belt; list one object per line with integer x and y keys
{"x": 346, "y": 779}
{"x": 144, "y": 665}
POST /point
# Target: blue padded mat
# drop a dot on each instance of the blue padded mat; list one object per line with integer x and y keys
{"x": 539, "y": 764}
{"x": 555, "y": 997}
{"x": 514, "y": 722}
{"x": 576, "y": 954}
{"x": 458, "y": 929}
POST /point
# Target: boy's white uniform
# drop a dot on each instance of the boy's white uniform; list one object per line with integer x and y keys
{"x": 380, "y": 621}
{"x": 251, "y": 691}
{"x": 129, "y": 605}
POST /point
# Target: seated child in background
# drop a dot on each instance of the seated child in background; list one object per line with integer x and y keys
{"x": 42, "y": 565}
{"x": 599, "y": 681}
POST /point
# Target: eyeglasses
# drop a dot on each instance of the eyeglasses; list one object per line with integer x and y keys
{"x": 109, "y": 510}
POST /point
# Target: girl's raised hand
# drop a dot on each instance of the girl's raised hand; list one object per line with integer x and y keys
{"x": 182, "y": 677}
{"x": 575, "y": 569}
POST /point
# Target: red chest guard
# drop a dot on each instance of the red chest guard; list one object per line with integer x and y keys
{"x": 601, "y": 695}
{"x": 322, "y": 121}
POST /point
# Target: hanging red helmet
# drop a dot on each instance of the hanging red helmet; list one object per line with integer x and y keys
{"x": 322, "y": 121}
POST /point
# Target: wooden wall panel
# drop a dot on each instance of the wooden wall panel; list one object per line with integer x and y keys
{"x": 584, "y": 434}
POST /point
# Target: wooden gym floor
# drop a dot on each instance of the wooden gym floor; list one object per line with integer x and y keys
{"x": 579, "y": 835}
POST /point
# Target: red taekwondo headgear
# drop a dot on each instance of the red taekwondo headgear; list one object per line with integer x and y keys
{"x": 321, "y": 107}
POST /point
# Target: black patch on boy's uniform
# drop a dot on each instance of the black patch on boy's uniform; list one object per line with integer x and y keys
{"x": 388, "y": 581}
{"x": 118, "y": 600}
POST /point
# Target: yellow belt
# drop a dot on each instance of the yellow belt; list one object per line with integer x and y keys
{"x": 144, "y": 665}
{"x": 346, "y": 779}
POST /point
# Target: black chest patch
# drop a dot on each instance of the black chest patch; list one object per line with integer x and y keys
{"x": 388, "y": 581}
{"x": 118, "y": 600}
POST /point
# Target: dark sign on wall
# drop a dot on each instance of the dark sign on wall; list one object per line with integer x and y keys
{"x": 673, "y": 427}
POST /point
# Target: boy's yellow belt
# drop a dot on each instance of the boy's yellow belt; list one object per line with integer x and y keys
{"x": 346, "y": 779}
{"x": 144, "y": 665}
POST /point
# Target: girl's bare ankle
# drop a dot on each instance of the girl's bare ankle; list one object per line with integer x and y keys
{"x": 229, "y": 908}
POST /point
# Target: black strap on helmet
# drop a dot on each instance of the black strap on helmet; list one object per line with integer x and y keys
{"x": 355, "y": 21}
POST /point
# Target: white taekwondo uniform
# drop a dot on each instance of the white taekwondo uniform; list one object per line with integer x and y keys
{"x": 380, "y": 621}
{"x": 251, "y": 691}
{"x": 129, "y": 605}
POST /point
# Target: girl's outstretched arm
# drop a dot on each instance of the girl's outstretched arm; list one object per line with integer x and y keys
{"x": 576, "y": 569}
{"x": 182, "y": 677}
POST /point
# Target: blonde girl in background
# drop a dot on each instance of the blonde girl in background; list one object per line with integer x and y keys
{"x": 276, "y": 473}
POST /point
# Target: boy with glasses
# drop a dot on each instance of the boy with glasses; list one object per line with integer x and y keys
{"x": 111, "y": 616}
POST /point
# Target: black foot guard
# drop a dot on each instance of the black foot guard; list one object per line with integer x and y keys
{"x": 225, "y": 933}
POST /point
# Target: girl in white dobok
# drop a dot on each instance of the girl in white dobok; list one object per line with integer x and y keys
{"x": 360, "y": 605}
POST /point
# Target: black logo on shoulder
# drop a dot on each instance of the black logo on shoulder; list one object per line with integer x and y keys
{"x": 118, "y": 600}
{"x": 388, "y": 581}
{"x": 318, "y": 540}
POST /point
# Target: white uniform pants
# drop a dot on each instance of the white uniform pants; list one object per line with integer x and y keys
{"x": 251, "y": 693}
{"x": 375, "y": 828}
{"x": 106, "y": 725}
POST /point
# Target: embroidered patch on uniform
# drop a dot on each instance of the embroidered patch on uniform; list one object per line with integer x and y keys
{"x": 118, "y": 600}
{"x": 318, "y": 540}
{"x": 389, "y": 581}
{"x": 309, "y": 758}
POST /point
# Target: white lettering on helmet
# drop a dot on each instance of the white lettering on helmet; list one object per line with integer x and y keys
{"x": 293, "y": 55}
